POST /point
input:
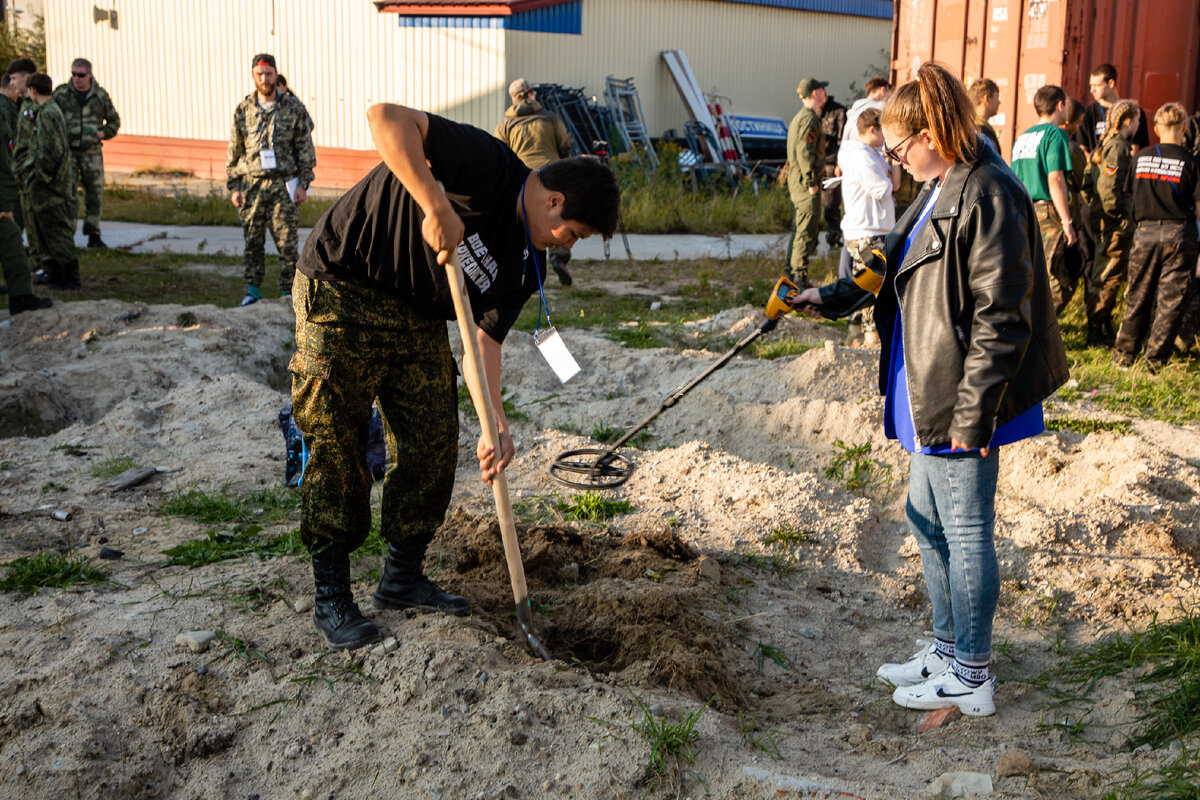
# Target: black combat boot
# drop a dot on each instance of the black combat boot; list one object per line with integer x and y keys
{"x": 21, "y": 303}
{"x": 95, "y": 242}
{"x": 403, "y": 586}
{"x": 69, "y": 277}
{"x": 338, "y": 620}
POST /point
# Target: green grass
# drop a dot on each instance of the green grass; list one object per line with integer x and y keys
{"x": 1170, "y": 395}
{"x": 166, "y": 207}
{"x": 592, "y": 507}
{"x": 1176, "y": 778}
{"x": 221, "y": 507}
{"x": 239, "y": 543}
{"x": 778, "y": 348}
{"x": 1163, "y": 659}
{"x": 1087, "y": 426}
{"x": 672, "y": 744}
{"x": 853, "y": 467}
{"x": 766, "y": 652}
{"x": 663, "y": 201}
{"x": 112, "y": 467}
{"x": 49, "y": 569}
{"x": 161, "y": 278}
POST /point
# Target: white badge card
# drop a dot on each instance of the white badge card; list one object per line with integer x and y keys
{"x": 554, "y": 350}
{"x": 266, "y": 157}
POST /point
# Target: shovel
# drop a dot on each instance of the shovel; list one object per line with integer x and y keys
{"x": 481, "y": 397}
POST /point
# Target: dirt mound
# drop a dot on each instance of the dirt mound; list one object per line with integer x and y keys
{"x": 640, "y": 607}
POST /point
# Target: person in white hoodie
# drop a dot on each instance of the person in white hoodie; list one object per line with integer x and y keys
{"x": 867, "y": 185}
{"x": 877, "y": 89}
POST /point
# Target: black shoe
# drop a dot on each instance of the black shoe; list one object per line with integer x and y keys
{"x": 1095, "y": 335}
{"x": 335, "y": 614}
{"x": 95, "y": 242}
{"x": 21, "y": 303}
{"x": 564, "y": 277}
{"x": 403, "y": 586}
{"x": 40, "y": 277}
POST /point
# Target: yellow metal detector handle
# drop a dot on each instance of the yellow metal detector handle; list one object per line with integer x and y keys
{"x": 780, "y": 301}
{"x": 869, "y": 277}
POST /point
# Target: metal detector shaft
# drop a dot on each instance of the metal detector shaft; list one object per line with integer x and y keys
{"x": 476, "y": 378}
{"x": 677, "y": 395}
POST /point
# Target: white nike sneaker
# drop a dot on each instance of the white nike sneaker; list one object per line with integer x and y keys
{"x": 925, "y": 664}
{"x": 946, "y": 690}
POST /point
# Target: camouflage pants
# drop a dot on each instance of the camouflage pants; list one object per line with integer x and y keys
{"x": 266, "y": 205}
{"x": 804, "y": 239}
{"x": 13, "y": 260}
{"x": 355, "y": 345}
{"x": 1160, "y": 273}
{"x": 860, "y": 253}
{"x": 1054, "y": 244}
{"x": 89, "y": 172}
{"x": 1108, "y": 273}
{"x": 51, "y": 231}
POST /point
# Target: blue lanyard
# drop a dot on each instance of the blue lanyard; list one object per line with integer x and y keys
{"x": 543, "y": 306}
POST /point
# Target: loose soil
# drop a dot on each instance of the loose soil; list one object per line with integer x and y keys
{"x": 744, "y": 582}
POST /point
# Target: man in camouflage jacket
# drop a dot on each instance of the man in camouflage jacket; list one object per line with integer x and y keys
{"x": 13, "y": 260}
{"x": 269, "y": 168}
{"x": 42, "y": 162}
{"x": 91, "y": 119}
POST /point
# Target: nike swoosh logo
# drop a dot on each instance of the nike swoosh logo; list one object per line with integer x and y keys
{"x": 941, "y": 692}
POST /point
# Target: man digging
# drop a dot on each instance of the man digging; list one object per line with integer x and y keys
{"x": 371, "y": 300}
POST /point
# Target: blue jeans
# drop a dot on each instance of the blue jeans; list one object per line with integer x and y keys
{"x": 952, "y": 513}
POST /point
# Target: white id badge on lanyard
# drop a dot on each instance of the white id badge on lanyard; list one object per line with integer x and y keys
{"x": 556, "y": 354}
{"x": 266, "y": 157}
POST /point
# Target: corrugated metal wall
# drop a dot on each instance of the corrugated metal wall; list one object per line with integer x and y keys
{"x": 178, "y": 69}
{"x": 753, "y": 54}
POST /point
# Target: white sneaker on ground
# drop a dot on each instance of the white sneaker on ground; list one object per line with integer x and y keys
{"x": 925, "y": 664}
{"x": 946, "y": 690}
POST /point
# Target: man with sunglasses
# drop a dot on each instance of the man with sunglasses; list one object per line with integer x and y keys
{"x": 91, "y": 120}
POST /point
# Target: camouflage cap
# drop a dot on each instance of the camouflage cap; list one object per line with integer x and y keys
{"x": 808, "y": 86}
{"x": 263, "y": 58}
{"x": 519, "y": 88}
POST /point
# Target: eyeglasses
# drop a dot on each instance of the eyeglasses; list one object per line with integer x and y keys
{"x": 891, "y": 151}
{"x": 81, "y": 74}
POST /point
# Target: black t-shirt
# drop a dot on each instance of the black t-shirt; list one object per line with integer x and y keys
{"x": 1165, "y": 183}
{"x": 1095, "y": 121}
{"x": 372, "y": 235}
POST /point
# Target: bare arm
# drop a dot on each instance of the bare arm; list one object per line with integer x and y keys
{"x": 1057, "y": 182}
{"x": 399, "y": 135}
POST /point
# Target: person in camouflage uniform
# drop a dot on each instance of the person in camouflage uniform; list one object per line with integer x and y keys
{"x": 538, "y": 137}
{"x": 42, "y": 161}
{"x": 371, "y": 299}
{"x": 12, "y": 98}
{"x": 833, "y": 124}
{"x": 91, "y": 120}
{"x": 1114, "y": 209}
{"x": 805, "y": 165}
{"x": 13, "y": 260}
{"x": 270, "y": 146}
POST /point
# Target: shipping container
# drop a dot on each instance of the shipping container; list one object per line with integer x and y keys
{"x": 1025, "y": 44}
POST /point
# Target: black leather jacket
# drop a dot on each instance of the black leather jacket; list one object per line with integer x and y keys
{"x": 981, "y": 340}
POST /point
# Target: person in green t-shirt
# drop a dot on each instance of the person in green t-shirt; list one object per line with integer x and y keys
{"x": 1041, "y": 157}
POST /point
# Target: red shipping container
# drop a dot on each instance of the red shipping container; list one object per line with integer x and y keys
{"x": 1025, "y": 44}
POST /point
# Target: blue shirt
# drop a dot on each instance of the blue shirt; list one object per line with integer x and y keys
{"x": 897, "y": 411}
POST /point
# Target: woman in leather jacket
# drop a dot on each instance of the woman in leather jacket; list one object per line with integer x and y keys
{"x": 970, "y": 347}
